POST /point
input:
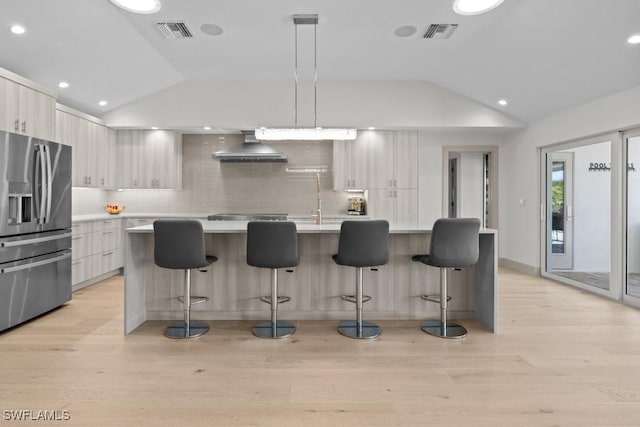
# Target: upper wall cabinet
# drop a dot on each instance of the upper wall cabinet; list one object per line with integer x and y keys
{"x": 350, "y": 163}
{"x": 376, "y": 159}
{"x": 93, "y": 163}
{"x": 149, "y": 159}
{"x": 393, "y": 159}
{"x": 26, "y": 108}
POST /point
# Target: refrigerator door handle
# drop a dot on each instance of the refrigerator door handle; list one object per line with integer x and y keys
{"x": 47, "y": 156}
{"x": 40, "y": 180}
{"x": 16, "y": 243}
{"x": 34, "y": 182}
{"x": 35, "y": 264}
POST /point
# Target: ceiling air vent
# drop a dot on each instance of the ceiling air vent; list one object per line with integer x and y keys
{"x": 440, "y": 31}
{"x": 174, "y": 30}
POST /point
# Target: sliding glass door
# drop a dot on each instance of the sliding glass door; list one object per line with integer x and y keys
{"x": 632, "y": 286}
{"x": 577, "y": 221}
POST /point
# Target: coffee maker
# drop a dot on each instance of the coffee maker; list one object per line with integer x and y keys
{"x": 357, "y": 206}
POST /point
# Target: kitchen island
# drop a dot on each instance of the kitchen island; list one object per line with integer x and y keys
{"x": 315, "y": 286}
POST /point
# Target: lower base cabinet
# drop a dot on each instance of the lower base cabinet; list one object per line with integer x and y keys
{"x": 96, "y": 249}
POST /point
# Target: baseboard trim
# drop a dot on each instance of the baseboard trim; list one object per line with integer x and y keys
{"x": 96, "y": 279}
{"x": 518, "y": 266}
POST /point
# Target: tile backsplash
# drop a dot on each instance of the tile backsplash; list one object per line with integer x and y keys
{"x": 210, "y": 186}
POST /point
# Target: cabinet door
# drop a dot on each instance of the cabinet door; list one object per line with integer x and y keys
{"x": 128, "y": 143}
{"x": 101, "y": 155}
{"x": 10, "y": 106}
{"x": 406, "y": 207}
{"x": 380, "y": 204}
{"x": 91, "y": 153}
{"x": 359, "y": 162}
{"x": 110, "y": 158}
{"x": 166, "y": 156}
{"x": 341, "y": 180}
{"x": 37, "y": 113}
{"x": 147, "y": 171}
{"x": 381, "y": 158}
{"x": 80, "y": 176}
{"x": 64, "y": 128}
{"x": 405, "y": 159}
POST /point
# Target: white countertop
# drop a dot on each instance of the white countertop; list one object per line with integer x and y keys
{"x": 99, "y": 216}
{"x": 200, "y": 215}
{"x": 303, "y": 228}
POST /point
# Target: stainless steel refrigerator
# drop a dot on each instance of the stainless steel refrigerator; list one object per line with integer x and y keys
{"x": 35, "y": 227}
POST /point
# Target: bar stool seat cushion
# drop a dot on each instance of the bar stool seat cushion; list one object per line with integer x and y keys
{"x": 179, "y": 245}
{"x": 456, "y": 243}
{"x": 272, "y": 244}
{"x": 363, "y": 243}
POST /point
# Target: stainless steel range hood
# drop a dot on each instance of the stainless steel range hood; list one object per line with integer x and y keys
{"x": 251, "y": 151}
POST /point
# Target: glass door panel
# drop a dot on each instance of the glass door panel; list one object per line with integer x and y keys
{"x": 578, "y": 224}
{"x": 633, "y": 217}
{"x": 561, "y": 202}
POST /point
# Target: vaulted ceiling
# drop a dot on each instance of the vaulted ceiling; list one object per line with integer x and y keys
{"x": 543, "y": 56}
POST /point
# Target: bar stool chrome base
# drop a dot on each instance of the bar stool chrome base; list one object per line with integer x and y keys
{"x": 268, "y": 329}
{"x": 437, "y": 328}
{"x": 179, "y": 330}
{"x": 367, "y": 330}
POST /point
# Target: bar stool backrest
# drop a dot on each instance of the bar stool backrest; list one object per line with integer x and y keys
{"x": 272, "y": 244}
{"x": 454, "y": 242}
{"x": 179, "y": 244}
{"x": 363, "y": 243}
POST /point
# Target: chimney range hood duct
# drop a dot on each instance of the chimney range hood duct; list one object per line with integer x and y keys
{"x": 251, "y": 151}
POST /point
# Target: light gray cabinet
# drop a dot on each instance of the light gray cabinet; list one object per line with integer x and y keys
{"x": 393, "y": 161}
{"x": 93, "y": 148}
{"x": 351, "y": 163}
{"x": 96, "y": 249}
{"x": 149, "y": 159}
{"x": 25, "y": 108}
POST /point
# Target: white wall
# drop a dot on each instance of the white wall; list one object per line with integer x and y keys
{"x": 360, "y": 104}
{"x": 430, "y": 155}
{"x": 519, "y": 169}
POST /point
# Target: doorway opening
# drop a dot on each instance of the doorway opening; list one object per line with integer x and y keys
{"x": 470, "y": 184}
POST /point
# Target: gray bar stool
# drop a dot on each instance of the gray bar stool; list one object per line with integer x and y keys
{"x": 179, "y": 244}
{"x": 361, "y": 244}
{"x": 274, "y": 245}
{"x": 454, "y": 244}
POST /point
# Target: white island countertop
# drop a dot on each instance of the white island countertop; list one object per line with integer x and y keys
{"x": 222, "y": 227}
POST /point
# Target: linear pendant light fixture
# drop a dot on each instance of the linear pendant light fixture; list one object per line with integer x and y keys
{"x": 314, "y": 133}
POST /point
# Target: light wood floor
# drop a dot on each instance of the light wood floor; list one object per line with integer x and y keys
{"x": 562, "y": 357}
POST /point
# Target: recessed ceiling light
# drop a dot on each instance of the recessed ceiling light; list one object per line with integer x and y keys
{"x": 503, "y": 102}
{"x": 474, "y": 7}
{"x": 405, "y": 31}
{"x": 634, "y": 39}
{"x": 63, "y": 85}
{"x": 211, "y": 29}
{"x": 154, "y": 127}
{"x": 207, "y": 128}
{"x": 102, "y": 103}
{"x": 371, "y": 128}
{"x": 138, "y": 6}
{"x": 18, "y": 29}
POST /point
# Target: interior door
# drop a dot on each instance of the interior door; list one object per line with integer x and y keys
{"x": 560, "y": 210}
